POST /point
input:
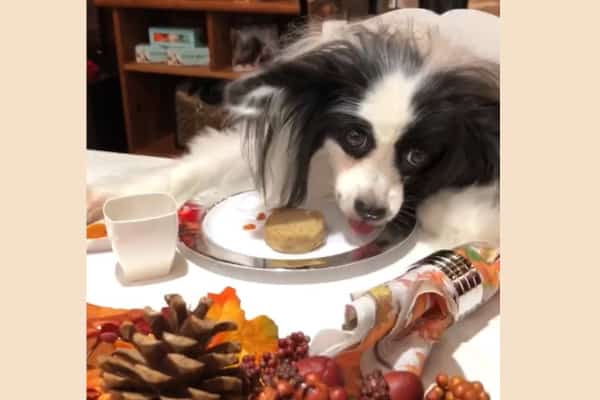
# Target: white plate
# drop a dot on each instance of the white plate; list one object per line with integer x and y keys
{"x": 223, "y": 225}
{"x": 221, "y": 237}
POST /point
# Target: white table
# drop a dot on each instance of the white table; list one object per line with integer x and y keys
{"x": 471, "y": 348}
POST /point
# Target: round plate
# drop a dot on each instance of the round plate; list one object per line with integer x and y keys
{"x": 229, "y": 232}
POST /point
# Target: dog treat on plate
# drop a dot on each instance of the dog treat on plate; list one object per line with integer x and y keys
{"x": 295, "y": 230}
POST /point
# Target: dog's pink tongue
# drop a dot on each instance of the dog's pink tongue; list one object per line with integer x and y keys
{"x": 360, "y": 227}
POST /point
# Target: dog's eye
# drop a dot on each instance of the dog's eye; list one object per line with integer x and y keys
{"x": 356, "y": 139}
{"x": 416, "y": 158}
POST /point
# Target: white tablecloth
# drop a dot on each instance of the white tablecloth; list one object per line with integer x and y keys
{"x": 471, "y": 348}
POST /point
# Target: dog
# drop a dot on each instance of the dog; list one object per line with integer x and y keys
{"x": 390, "y": 123}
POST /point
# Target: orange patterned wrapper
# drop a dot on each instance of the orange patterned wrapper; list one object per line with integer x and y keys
{"x": 395, "y": 325}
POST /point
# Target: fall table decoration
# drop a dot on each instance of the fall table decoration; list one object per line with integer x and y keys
{"x": 150, "y": 350}
{"x": 393, "y": 326}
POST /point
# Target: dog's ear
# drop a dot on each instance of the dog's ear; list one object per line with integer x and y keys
{"x": 462, "y": 105}
{"x": 324, "y": 69}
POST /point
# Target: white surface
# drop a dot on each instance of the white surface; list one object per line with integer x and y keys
{"x": 97, "y": 245}
{"x": 470, "y": 348}
{"x": 223, "y": 225}
{"x": 143, "y": 233}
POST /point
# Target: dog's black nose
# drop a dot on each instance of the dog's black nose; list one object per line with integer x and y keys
{"x": 367, "y": 212}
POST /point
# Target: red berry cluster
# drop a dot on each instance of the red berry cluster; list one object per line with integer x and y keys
{"x": 293, "y": 347}
{"x": 374, "y": 387}
{"x": 289, "y": 374}
{"x": 190, "y": 215}
{"x": 393, "y": 385}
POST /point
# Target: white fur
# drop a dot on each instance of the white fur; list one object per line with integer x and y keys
{"x": 375, "y": 177}
{"x": 215, "y": 166}
{"x": 453, "y": 217}
{"x": 214, "y": 161}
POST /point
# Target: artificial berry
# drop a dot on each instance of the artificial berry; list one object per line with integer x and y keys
{"x": 337, "y": 393}
{"x": 454, "y": 381}
{"x": 318, "y": 392}
{"x": 456, "y": 388}
{"x": 109, "y": 327}
{"x": 459, "y": 390}
{"x": 312, "y": 378}
{"x": 284, "y": 388}
{"x": 268, "y": 393}
{"x": 404, "y": 385}
{"x": 188, "y": 213}
{"x": 470, "y": 395}
{"x": 374, "y": 387}
{"x": 325, "y": 368}
{"x": 442, "y": 381}
{"x": 435, "y": 394}
{"x": 294, "y": 347}
{"x": 142, "y": 327}
{"x": 108, "y": 337}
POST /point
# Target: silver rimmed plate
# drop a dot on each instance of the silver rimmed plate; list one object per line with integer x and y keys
{"x": 230, "y": 233}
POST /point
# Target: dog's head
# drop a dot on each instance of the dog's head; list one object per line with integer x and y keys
{"x": 397, "y": 128}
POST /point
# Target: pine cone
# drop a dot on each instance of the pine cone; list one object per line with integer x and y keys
{"x": 173, "y": 362}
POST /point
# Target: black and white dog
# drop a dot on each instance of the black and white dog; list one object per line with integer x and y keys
{"x": 387, "y": 122}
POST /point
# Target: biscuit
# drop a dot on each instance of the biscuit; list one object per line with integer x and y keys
{"x": 295, "y": 230}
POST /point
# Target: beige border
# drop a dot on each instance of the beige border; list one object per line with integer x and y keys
{"x": 549, "y": 108}
{"x": 43, "y": 177}
{"x": 550, "y": 142}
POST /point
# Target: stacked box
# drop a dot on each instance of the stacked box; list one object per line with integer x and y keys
{"x": 173, "y": 46}
{"x": 188, "y": 56}
{"x": 147, "y": 54}
{"x": 174, "y": 37}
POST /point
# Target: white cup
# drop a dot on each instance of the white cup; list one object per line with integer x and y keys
{"x": 143, "y": 233}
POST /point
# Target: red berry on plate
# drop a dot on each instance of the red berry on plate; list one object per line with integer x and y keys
{"x": 404, "y": 385}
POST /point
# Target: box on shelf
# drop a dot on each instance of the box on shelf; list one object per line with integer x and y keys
{"x": 175, "y": 37}
{"x": 147, "y": 54}
{"x": 188, "y": 56}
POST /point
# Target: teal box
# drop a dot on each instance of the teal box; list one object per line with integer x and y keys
{"x": 174, "y": 37}
{"x": 188, "y": 56}
{"x": 147, "y": 54}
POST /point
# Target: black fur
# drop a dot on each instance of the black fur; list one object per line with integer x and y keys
{"x": 458, "y": 127}
{"x": 457, "y": 122}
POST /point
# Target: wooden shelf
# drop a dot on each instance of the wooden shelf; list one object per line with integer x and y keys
{"x": 289, "y": 7}
{"x": 148, "y": 90}
{"x": 200, "y": 71}
{"x": 162, "y": 147}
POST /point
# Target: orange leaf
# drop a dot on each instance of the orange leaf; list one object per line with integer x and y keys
{"x": 256, "y": 336}
{"x": 93, "y": 384}
{"x": 95, "y": 231}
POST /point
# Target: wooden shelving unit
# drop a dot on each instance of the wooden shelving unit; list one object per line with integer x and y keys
{"x": 289, "y": 7}
{"x": 191, "y": 71}
{"x": 148, "y": 89}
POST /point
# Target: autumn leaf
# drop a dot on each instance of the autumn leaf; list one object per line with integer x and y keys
{"x": 490, "y": 273}
{"x": 256, "y": 336}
